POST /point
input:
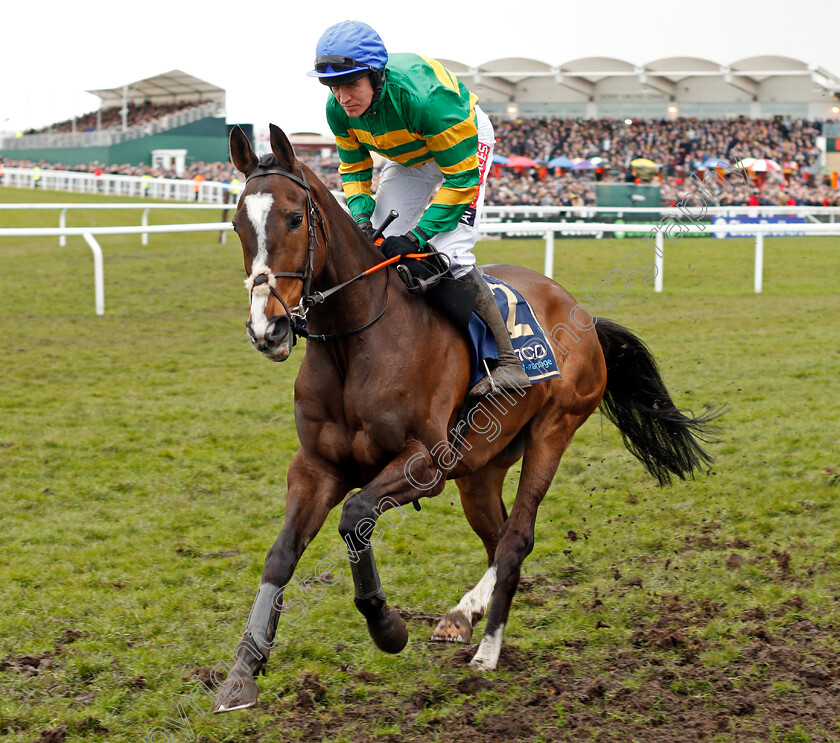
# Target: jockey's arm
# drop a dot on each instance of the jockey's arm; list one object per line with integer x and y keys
{"x": 356, "y": 170}
{"x": 449, "y": 128}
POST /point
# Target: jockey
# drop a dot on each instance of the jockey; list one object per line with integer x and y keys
{"x": 438, "y": 146}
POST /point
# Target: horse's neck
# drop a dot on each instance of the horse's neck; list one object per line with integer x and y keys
{"x": 347, "y": 254}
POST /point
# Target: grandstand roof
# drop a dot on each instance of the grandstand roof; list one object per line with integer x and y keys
{"x": 599, "y": 79}
{"x": 169, "y": 87}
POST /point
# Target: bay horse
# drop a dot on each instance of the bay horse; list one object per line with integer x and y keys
{"x": 381, "y": 390}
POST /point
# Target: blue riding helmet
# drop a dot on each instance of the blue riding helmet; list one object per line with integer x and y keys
{"x": 347, "y": 49}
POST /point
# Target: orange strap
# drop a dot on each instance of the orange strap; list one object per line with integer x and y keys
{"x": 389, "y": 261}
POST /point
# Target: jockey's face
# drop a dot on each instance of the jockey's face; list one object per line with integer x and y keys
{"x": 355, "y": 98}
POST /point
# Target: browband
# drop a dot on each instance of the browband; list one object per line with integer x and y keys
{"x": 273, "y": 171}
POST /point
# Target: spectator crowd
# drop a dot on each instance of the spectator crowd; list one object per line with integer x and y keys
{"x": 679, "y": 147}
{"x": 110, "y": 118}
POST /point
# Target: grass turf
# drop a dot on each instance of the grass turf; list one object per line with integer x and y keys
{"x": 143, "y": 458}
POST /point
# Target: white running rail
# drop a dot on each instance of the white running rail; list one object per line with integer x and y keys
{"x": 547, "y": 229}
{"x": 144, "y": 221}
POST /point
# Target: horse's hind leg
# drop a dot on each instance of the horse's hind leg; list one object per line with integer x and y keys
{"x": 542, "y": 456}
{"x": 481, "y": 498}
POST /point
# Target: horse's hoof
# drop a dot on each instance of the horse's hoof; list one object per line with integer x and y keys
{"x": 487, "y": 655}
{"x": 388, "y": 630}
{"x": 454, "y": 627}
{"x": 482, "y": 664}
{"x": 236, "y": 692}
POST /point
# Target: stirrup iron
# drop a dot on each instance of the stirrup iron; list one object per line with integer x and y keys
{"x": 493, "y": 387}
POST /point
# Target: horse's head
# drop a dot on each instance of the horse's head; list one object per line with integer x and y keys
{"x": 276, "y": 220}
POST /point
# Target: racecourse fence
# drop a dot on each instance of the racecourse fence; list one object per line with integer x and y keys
{"x": 670, "y": 228}
{"x": 144, "y": 220}
{"x": 168, "y": 189}
{"x": 219, "y": 192}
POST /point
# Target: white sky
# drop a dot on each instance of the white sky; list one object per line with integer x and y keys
{"x": 260, "y": 50}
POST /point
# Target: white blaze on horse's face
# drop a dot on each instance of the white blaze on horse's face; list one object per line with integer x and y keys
{"x": 257, "y": 207}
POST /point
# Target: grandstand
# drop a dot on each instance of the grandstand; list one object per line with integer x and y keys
{"x": 173, "y": 112}
{"x": 595, "y": 116}
{"x": 603, "y": 87}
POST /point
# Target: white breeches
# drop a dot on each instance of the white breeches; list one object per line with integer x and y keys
{"x": 409, "y": 191}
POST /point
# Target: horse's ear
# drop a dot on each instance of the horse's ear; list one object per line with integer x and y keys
{"x": 281, "y": 147}
{"x": 242, "y": 155}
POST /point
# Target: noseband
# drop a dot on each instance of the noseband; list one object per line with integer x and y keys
{"x": 264, "y": 281}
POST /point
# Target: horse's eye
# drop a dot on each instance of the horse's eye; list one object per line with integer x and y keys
{"x": 295, "y": 220}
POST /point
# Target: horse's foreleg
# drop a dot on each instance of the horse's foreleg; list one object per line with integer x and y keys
{"x": 411, "y": 475}
{"x": 313, "y": 491}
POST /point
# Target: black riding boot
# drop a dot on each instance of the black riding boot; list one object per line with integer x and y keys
{"x": 508, "y": 373}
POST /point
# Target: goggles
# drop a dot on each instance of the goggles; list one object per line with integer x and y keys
{"x": 338, "y": 63}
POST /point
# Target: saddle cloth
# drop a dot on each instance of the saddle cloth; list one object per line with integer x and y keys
{"x": 526, "y": 334}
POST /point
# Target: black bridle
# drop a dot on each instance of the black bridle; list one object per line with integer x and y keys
{"x": 297, "y": 315}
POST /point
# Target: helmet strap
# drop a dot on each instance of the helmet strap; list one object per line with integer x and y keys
{"x": 377, "y": 80}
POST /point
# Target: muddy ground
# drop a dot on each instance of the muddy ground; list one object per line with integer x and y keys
{"x": 784, "y": 687}
{"x": 781, "y": 686}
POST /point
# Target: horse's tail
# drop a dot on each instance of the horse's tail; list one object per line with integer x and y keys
{"x": 664, "y": 439}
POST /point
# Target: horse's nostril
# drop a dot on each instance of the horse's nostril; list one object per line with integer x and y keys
{"x": 278, "y": 329}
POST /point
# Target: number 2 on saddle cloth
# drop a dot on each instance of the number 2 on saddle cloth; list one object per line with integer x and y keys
{"x": 455, "y": 299}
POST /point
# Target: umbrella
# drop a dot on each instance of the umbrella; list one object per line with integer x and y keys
{"x": 499, "y": 160}
{"x": 560, "y": 162}
{"x": 580, "y": 164}
{"x": 745, "y": 163}
{"x": 644, "y": 163}
{"x": 763, "y": 165}
{"x": 519, "y": 161}
{"x": 715, "y": 162}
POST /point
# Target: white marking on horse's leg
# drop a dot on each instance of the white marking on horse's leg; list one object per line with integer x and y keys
{"x": 489, "y": 650}
{"x": 475, "y": 602}
{"x": 257, "y": 207}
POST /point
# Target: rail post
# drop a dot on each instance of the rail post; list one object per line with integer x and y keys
{"x": 223, "y": 233}
{"x": 759, "y": 262}
{"x": 659, "y": 261}
{"x": 98, "y": 274}
{"x": 548, "y": 266}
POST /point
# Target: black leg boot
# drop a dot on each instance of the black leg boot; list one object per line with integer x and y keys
{"x": 508, "y": 374}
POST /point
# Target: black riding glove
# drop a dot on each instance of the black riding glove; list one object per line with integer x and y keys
{"x": 400, "y": 245}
